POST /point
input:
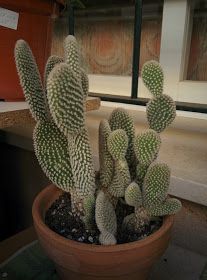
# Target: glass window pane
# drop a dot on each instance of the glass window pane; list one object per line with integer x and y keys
{"x": 197, "y": 63}
{"x": 105, "y": 33}
{"x": 106, "y": 36}
{"x": 151, "y": 31}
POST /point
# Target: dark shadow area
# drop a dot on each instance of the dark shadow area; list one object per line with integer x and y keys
{"x": 21, "y": 180}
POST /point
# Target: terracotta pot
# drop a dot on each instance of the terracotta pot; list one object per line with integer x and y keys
{"x": 79, "y": 261}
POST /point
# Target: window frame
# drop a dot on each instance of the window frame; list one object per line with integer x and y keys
{"x": 176, "y": 36}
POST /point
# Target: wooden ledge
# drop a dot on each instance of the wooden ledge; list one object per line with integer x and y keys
{"x": 14, "y": 113}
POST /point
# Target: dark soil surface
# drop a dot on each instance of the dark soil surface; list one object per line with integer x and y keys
{"x": 60, "y": 219}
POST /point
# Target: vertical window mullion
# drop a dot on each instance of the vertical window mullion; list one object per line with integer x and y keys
{"x": 173, "y": 43}
{"x": 71, "y": 19}
{"x": 136, "y": 48}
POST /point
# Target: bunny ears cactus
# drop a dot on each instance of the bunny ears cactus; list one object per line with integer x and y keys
{"x": 153, "y": 77}
{"x": 152, "y": 199}
{"x": 60, "y": 136}
{"x": 161, "y": 110}
{"x": 128, "y": 172}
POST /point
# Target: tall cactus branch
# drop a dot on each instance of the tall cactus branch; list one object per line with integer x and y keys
{"x": 30, "y": 80}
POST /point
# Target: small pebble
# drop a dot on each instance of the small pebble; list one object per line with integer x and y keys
{"x": 74, "y": 230}
{"x": 80, "y": 239}
{"x": 4, "y": 274}
{"x": 90, "y": 238}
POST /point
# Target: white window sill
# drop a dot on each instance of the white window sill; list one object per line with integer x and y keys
{"x": 183, "y": 149}
{"x": 186, "y": 120}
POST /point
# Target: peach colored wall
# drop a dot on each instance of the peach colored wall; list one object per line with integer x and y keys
{"x": 197, "y": 67}
{"x": 107, "y": 45}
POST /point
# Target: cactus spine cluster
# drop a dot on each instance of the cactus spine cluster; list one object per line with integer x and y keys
{"x": 128, "y": 168}
{"x": 60, "y": 136}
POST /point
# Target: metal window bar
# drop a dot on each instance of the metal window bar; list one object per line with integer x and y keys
{"x": 134, "y": 99}
{"x": 182, "y": 106}
{"x": 136, "y": 48}
{"x": 71, "y": 23}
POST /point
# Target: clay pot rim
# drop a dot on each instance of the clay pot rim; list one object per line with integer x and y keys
{"x": 54, "y": 237}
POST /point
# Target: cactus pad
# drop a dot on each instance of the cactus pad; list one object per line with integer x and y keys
{"x": 105, "y": 158}
{"x": 140, "y": 173}
{"x": 120, "y": 119}
{"x": 51, "y": 62}
{"x": 168, "y": 207}
{"x": 81, "y": 163}
{"x": 133, "y": 195}
{"x": 146, "y": 146}
{"x": 121, "y": 179}
{"x": 85, "y": 83}
{"x": 65, "y": 98}
{"x": 129, "y": 222}
{"x": 156, "y": 184}
{"x": 72, "y": 55}
{"x": 51, "y": 149}
{"x": 30, "y": 80}
{"x": 107, "y": 238}
{"x": 152, "y": 76}
{"x": 89, "y": 211}
{"x": 105, "y": 214}
{"x": 117, "y": 144}
{"x": 161, "y": 112}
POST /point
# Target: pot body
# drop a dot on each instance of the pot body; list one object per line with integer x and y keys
{"x": 79, "y": 261}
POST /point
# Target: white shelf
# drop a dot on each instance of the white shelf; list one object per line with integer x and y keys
{"x": 12, "y": 106}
